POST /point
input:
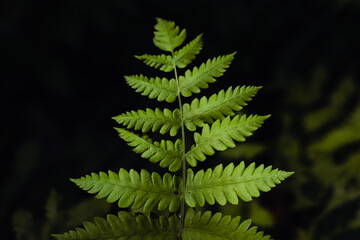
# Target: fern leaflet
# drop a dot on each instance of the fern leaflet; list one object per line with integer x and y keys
{"x": 227, "y": 185}
{"x": 165, "y": 152}
{"x": 206, "y": 226}
{"x": 221, "y": 135}
{"x": 125, "y": 226}
{"x": 217, "y": 106}
{"x": 133, "y": 189}
{"x": 159, "y": 88}
{"x": 184, "y": 56}
{"x": 206, "y": 73}
{"x": 164, "y": 121}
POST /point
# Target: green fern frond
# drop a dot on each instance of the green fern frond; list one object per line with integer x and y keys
{"x": 159, "y": 88}
{"x": 167, "y": 153}
{"x": 227, "y": 185}
{"x": 167, "y": 35}
{"x": 162, "y": 62}
{"x": 162, "y": 121}
{"x": 217, "y": 106}
{"x": 206, "y": 73}
{"x": 221, "y": 127}
{"x": 125, "y": 226}
{"x": 133, "y": 189}
{"x": 205, "y": 226}
{"x": 221, "y": 135}
{"x": 184, "y": 56}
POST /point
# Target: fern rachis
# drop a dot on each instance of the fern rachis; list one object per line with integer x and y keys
{"x": 183, "y": 189}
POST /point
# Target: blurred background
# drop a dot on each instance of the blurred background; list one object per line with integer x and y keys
{"x": 61, "y": 81}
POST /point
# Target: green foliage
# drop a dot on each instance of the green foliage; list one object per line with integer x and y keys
{"x": 320, "y": 140}
{"x": 171, "y": 194}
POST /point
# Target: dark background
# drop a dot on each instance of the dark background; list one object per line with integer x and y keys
{"x": 63, "y": 62}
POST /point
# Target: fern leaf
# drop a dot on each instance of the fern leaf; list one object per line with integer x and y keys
{"x": 217, "y": 106}
{"x": 221, "y": 135}
{"x": 162, "y": 62}
{"x": 184, "y": 56}
{"x": 205, "y": 226}
{"x": 159, "y": 88}
{"x": 167, "y": 35}
{"x": 206, "y": 73}
{"x": 133, "y": 189}
{"x": 164, "y": 121}
{"x": 125, "y": 226}
{"x": 227, "y": 185}
{"x": 166, "y": 152}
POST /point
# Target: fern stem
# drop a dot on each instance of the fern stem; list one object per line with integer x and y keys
{"x": 183, "y": 160}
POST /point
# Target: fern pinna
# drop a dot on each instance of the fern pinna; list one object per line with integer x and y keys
{"x": 175, "y": 195}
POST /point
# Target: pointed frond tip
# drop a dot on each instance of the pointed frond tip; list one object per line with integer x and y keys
{"x": 221, "y": 135}
{"x": 166, "y": 153}
{"x": 217, "y": 106}
{"x": 159, "y": 88}
{"x": 168, "y": 36}
{"x": 163, "y": 121}
{"x": 228, "y": 184}
{"x": 125, "y": 226}
{"x": 208, "y": 226}
{"x": 180, "y": 59}
{"x": 140, "y": 191}
{"x": 200, "y": 77}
